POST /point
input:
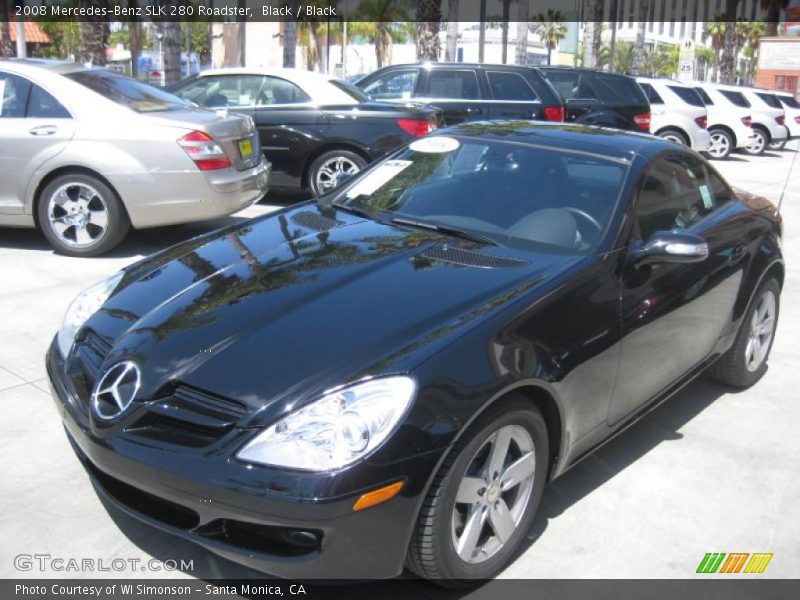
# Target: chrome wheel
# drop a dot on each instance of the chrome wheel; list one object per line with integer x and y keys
{"x": 720, "y": 145}
{"x": 326, "y": 177}
{"x": 762, "y": 327}
{"x": 673, "y": 136}
{"x": 78, "y": 215}
{"x": 493, "y": 494}
{"x": 758, "y": 143}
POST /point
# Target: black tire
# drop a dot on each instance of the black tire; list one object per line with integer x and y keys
{"x": 674, "y": 135}
{"x": 432, "y": 554}
{"x": 760, "y": 142}
{"x": 731, "y": 368}
{"x": 316, "y": 172}
{"x": 779, "y": 145}
{"x": 725, "y": 144}
{"x": 98, "y": 198}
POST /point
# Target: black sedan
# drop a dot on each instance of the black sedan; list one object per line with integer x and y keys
{"x": 387, "y": 376}
{"x": 313, "y": 128}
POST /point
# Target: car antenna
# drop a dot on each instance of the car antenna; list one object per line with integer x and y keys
{"x": 786, "y": 183}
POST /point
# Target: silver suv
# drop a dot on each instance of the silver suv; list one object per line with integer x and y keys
{"x": 729, "y": 121}
{"x": 677, "y": 112}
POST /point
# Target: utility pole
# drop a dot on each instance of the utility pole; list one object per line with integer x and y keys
{"x": 22, "y": 49}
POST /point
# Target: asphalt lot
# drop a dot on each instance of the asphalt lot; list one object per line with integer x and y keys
{"x": 710, "y": 471}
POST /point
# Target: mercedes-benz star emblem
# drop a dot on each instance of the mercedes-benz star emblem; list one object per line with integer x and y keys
{"x": 116, "y": 390}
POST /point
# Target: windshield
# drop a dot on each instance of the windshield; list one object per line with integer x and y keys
{"x": 516, "y": 195}
{"x": 350, "y": 90}
{"x": 128, "y": 92}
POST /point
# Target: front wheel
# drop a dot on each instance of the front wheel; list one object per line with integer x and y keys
{"x": 746, "y": 361}
{"x": 484, "y": 498}
{"x": 759, "y": 143}
{"x": 325, "y": 172}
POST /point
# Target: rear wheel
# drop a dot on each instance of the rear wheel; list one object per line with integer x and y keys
{"x": 759, "y": 143}
{"x": 81, "y": 216}
{"x": 324, "y": 174}
{"x": 746, "y": 361}
{"x": 779, "y": 145}
{"x": 484, "y": 497}
{"x": 673, "y": 135}
{"x": 721, "y": 144}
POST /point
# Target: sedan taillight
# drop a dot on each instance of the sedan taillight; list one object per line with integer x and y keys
{"x": 415, "y": 127}
{"x": 780, "y": 120}
{"x": 747, "y": 121}
{"x": 642, "y": 121}
{"x": 204, "y": 151}
{"x": 702, "y": 122}
{"x": 554, "y": 113}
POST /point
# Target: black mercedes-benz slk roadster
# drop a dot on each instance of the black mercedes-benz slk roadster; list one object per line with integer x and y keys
{"x": 387, "y": 376}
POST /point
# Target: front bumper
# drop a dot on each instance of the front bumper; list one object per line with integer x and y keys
{"x": 244, "y": 520}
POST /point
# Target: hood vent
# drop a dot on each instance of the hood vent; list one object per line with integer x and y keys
{"x": 470, "y": 258}
{"x": 315, "y": 221}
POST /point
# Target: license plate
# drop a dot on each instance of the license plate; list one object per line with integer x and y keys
{"x": 245, "y": 149}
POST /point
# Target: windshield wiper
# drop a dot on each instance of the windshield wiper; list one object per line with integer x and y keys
{"x": 446, "y": 229}
{"x": 356, "y": 210}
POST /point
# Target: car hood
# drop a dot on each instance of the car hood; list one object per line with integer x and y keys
{"x": 282, "y": 307}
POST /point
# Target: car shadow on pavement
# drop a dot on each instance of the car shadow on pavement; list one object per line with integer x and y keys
{"x": 662, "y": 425}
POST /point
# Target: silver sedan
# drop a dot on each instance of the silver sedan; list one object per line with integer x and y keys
{"x": 87, "y": 153}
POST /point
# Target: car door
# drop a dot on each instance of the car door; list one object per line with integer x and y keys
{"x": 512, "y": 96}
{"x": 456, "y": 91}
{"x": 673, "y": 314}
{"x": 393, "y": 85}
{"x": 34, "y": 127}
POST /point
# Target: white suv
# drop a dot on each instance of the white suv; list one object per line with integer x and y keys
{"x": 768, "y": 119}
{"x": 728, "y": 120}
{"x": 677, "y": 112}
{"x": 792, "y": 120}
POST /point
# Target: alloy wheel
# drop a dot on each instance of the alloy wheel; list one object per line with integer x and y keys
{"x": 720, "y": 145}
{"x": 674, "y": 137}
{"x": 758, "y": 143}
{"x": 762, "y": 328}
{"x": 493, "y": 494}
{"x": 328, "y": 173}
{"x": 78, "y": 215}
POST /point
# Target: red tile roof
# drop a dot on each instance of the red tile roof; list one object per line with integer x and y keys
{"x": 33, "y": 33}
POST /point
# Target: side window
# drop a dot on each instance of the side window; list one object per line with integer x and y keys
{"x": 450, "y": 83}
{"x": 42, "y": 105}
{"x": 394, "y": 85}
{"x": 280, "y": 91}
{"x": 13, "y": 96}
{"x": 510, "y": 86}
{"x": 223, "y": 90}
{"x": 676, "y": 192}
{"x": 571, "y": 85}
{"x": 651, "y": 93}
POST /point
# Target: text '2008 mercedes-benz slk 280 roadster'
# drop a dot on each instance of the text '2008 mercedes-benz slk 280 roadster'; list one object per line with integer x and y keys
{"x": 387, "y": 376}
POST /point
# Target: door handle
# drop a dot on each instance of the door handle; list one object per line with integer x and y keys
{"x": 737, "y": 254}
{"x": 43, "y": 130}
{"x": 471, "y": 110}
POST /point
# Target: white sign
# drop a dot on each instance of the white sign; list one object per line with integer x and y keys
{"x": 435, "y": 145}
{"x": 686, "y": 62}
{"x": 779, "y": 55}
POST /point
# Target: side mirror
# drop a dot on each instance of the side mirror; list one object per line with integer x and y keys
{"x": 670, "y": 247}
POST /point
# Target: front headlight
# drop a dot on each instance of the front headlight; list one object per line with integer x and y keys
{"x": 336, "y": 430}
{"x": 84, "y": 306}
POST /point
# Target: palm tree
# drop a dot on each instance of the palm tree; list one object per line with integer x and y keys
{"x": 504, "y": 28}
{"x": 171, "y": 50}
{"x": 289, "y": 43}
{"x": 307, "y": 38}
{"x": 135, "y": 30}
{"x": 551, "y": 29}
{"x": 716, "y": 31}
{"x": 773, "y": 8}
{"x": 451, "y": 44}
{"x": 429, "y": 15}
{"x": 6, "y": 45}
{"x": 654, "y": 63}
{"x": 641, "y": 32}
{"x": 753, "y": 33}
{"x": 727, "y": 63}
{"x": 623, "y": 57}
{"x": 523, "y": 11}
{"x": 706, "y": 58}
{"x": 375, "y": 18}
{"x": 591, "y": 24}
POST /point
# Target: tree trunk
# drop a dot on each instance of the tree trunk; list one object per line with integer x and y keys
{"x": 171, "y": 51}
{"x": 504, "y": 49}
{"x": 6, "y": 45}
{"x": 589, "y": 26}
{"x": 549, "y": 53}
{"x": 641, "y": 32}
{"x": 482, "y": 31}
{"x": 451, "y": 45}
{"x": 429, "y": 15}
{"x": 597, "y": 41}
{"x": 135, "y": 30}
{"x": 289, "y": 43}
{"x": 727, "y": 64}
{"x": 523, "y": 16}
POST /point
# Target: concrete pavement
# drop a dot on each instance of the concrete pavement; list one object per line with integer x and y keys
{"x": 710, "y": 471}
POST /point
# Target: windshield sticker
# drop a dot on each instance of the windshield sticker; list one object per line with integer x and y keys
{"x": 707, "y": 200}
{"x": 2, "y": 94}
{"x": 435, "y": 145}
{"x": 378, "y": 177}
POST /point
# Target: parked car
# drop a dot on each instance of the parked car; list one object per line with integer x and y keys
{"x": 313, "y": 128}
{"x": 388, "y": 375}
{"x": 729, "y": 121}
{"x": 599, "y": 98}
{"x": 677, "y": 112}
{"x": 96, "y": 152}
{"x": 468, "y": 92}
{"x": 792, "y": 108}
